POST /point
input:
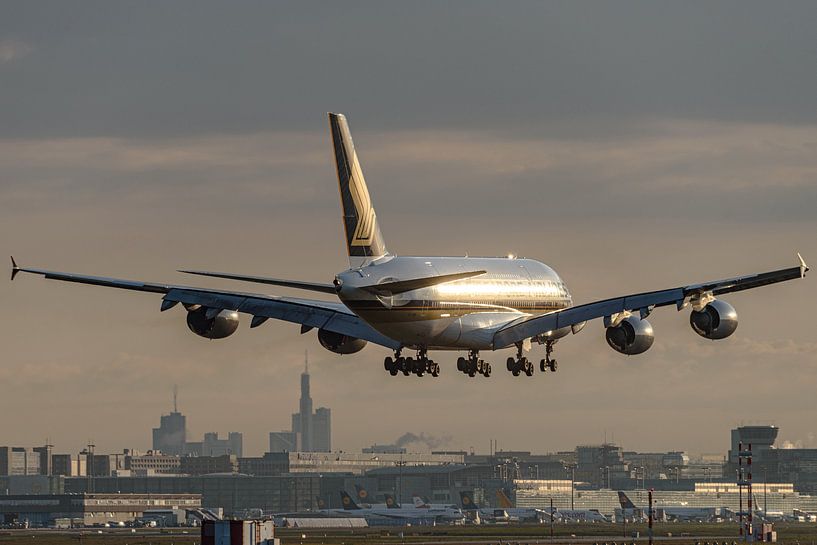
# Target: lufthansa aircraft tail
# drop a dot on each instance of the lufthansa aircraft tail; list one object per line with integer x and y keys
{"x": 467, "y": 500}
{"x": 625, "y": 501}
{"x": 364, "y": 242}
{"x": 347, "y": 502}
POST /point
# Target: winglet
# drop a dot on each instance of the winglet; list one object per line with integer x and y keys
{"x": 803, "y": 266}
{"x": 14, "y": 268}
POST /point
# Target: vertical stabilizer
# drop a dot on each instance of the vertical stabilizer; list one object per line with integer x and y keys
{"x": 364, "y": 242}
{"x": 347, "y": 502}
{"x": 467, "y": 500}
{"x": 502, "y": 499}
{"x": 625, "y": 501}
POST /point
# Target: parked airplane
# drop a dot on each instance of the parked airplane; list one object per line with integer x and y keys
{"x": 437, "y": 303}
{"x": 505, "y": 511}
{"x": 702, "y": 514}
{"x": 352, "y": 509}
{"x": 581, "y": 515}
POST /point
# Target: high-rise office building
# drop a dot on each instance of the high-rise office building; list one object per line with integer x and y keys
{"x": 311, "y": 431}
{"x": 171, "y": 435}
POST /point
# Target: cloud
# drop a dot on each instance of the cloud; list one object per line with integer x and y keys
{"x": 13, "y": 50}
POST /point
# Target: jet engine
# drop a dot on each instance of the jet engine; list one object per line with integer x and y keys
{"x": 211, "y": 325}
{"x": 631, "y": 336}
{"x": 340, "y": 344}
{"x": 717, "y": 320}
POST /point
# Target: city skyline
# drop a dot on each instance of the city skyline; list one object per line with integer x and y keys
{"x": 629, "y": 146}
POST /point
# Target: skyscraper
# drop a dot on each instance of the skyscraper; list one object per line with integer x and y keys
{"x": 171, "y": 435}
{"x": 313, "y": 430}
{"x": 302, "y": 421}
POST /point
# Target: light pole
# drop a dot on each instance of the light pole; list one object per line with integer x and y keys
{"x": 572, "y": 469}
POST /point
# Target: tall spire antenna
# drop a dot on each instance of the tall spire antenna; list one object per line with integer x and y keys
{"x": 306, "y": 361}
{"x": 175, "y": 396}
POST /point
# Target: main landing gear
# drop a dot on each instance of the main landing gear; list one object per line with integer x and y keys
{"x": 418, "y": 366}
{"x": 521, "y": 364}
{"x": 473, "y": 365}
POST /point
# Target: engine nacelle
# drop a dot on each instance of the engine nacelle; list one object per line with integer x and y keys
{"x": 631, "y": 336}
{"x": 717, "y": 320}
{"x": 340, "y": 344}
{"x": 219, "y": 326}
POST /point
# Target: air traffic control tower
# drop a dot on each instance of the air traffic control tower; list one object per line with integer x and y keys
{"x": 761, "y": 438}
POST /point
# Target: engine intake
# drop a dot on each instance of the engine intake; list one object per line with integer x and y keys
{"x": 717, "y": 320}
{"x": 220, "y": 326}
{"x": 340, "y": 344}
{"x": 631, "y": 336}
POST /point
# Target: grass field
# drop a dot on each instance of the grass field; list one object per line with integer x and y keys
{"x": 609, "y": 534}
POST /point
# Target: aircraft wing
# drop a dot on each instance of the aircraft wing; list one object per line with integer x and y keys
{"x": 310, "y": 313}
{"x": 639, "y": 302}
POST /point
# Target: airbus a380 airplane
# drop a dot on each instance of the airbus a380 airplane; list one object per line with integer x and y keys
{"x": 437, "y": 303}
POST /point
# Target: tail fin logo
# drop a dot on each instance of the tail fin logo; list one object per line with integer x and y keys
{"x": 467, "y": 500}
{"x": 625, "y": 501}
{"x": 503, "y": 499}
{"x": 363, "y": 235}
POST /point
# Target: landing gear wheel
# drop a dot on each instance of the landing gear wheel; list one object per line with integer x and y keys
{"x": 553, "y": 365}
{"x": 461, "y": 363}
{"x": 487, "y": 370}
{"x": 393, "y": 371}
{"x": 435, "y": 370}
{"x": 528, "y": 367}
{"x": 510, "y": 364}
{"x": 388, "y": 363}
{"x": 408, "y": 365}
{"x": 543, "y": 366}
{"x": 515, "y": 372}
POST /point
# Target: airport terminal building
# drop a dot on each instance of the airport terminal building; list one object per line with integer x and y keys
{"x": 89, "y": 509}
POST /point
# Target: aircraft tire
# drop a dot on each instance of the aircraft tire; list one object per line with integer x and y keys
{"x": 393, "y": 371}
{"x": 543, "y": 366}
{"x": 461, "y": 362}
{"x": 510, "y": 363}
{"x": 553, "y": 365}
{"x": 388, "y": 363}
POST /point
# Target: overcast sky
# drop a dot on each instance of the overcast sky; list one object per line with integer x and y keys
{"x": 630, "y": 145}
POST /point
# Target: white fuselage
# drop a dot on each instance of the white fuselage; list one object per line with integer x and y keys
{"x": 463, "y": 314}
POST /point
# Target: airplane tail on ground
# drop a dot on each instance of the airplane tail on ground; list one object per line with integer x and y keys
{"x": 625, "y": 501}
{"x": 364, "y": 242}
{"x": 390, "y": 503}
{"x": 347, "y": 501}
{"x": 502, "y": 499}
{"x": 467, "y": 500}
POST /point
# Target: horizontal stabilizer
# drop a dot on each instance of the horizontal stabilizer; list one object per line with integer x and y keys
{"x": 297, "y": 284}
{"x": 402, "y": 286}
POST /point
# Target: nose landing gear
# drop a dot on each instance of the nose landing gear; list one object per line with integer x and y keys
{"x": 548, "y": 363}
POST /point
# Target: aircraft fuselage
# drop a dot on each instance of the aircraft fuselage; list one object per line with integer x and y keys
{"x": 453, "y": 315}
